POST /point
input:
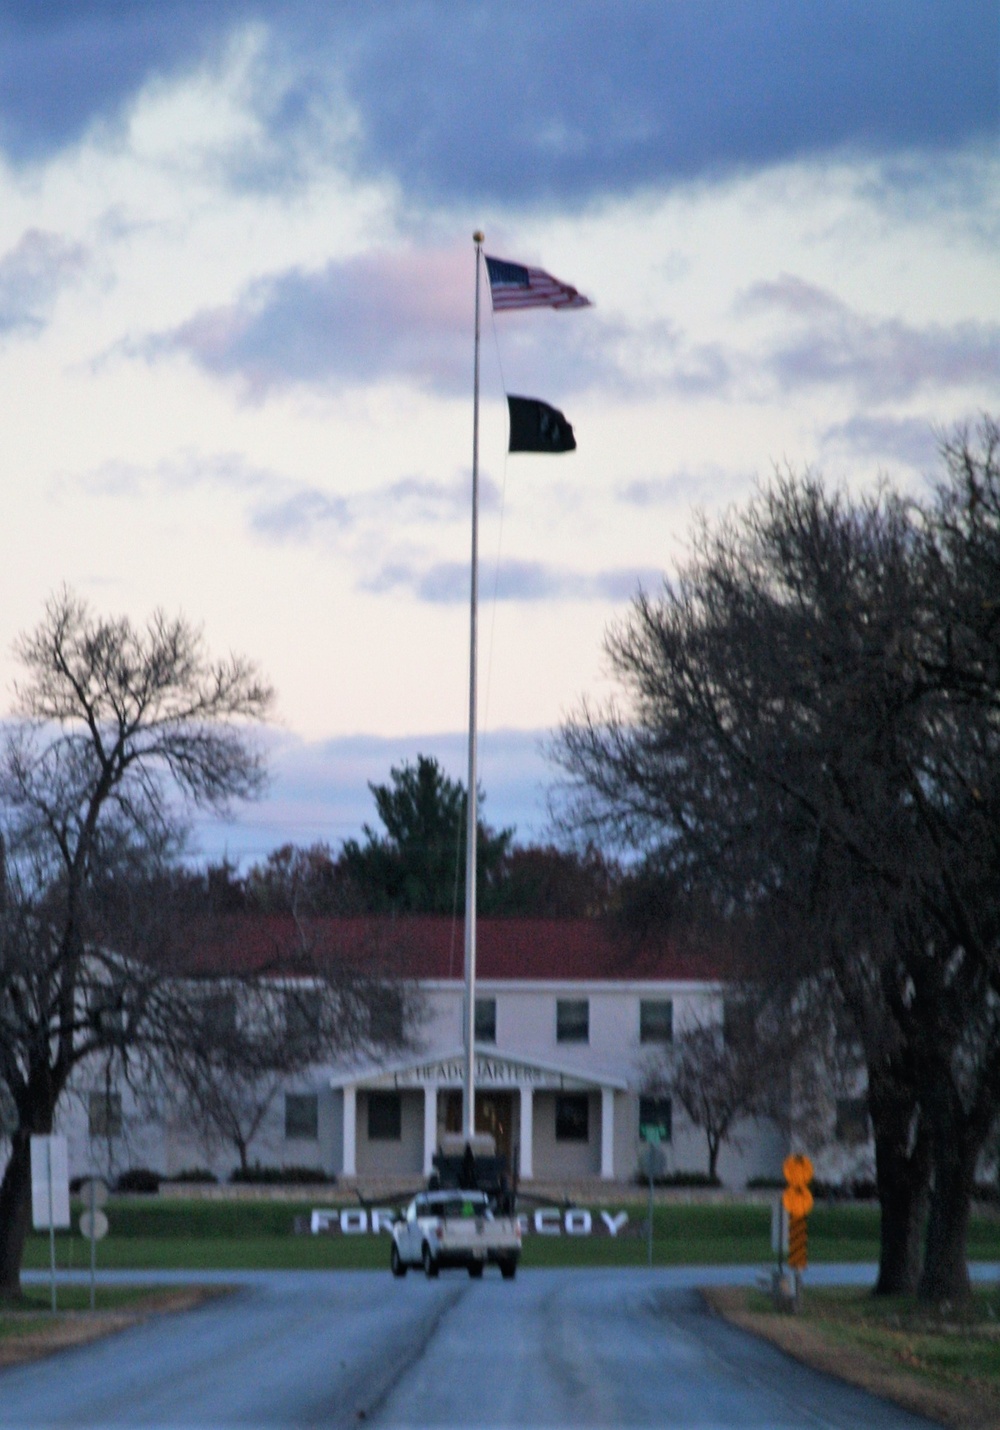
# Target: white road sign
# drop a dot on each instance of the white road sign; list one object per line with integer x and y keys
{"x": 94, "y": 1227}
{"x": 49, "y": 1183}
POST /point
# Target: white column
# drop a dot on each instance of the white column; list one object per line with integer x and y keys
{"x": 526, "y": 1168}
{"x": 430, "y": 1126}
{"x": 607, "y": 1133}
{"x": 350, "y": 1162}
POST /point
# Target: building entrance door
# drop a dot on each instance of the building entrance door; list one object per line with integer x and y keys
{"x": 494, "y": 1111}
{"x": 494, "y": 1114}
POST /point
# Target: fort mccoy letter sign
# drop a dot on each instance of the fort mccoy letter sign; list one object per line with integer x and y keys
{"x": 545, "y": 1221}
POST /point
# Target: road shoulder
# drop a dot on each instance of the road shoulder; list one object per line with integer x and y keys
{"x": 41, "y": 1334}
{"x": 965, "y": 1409}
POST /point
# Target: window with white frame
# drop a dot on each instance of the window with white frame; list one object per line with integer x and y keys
{"x": 656, "y": 1119}
{"x": 385, "y": 1117}
{"x": 303, "y": 1014}
{"x": 656, "y": 1020}
{"x": 104, "y": 1114}
{"x": 572, "y": 1117}
{"x": 572, "y": 1020}
{"x": 486, "y": 1020}
{"x": 852, "y": 1120}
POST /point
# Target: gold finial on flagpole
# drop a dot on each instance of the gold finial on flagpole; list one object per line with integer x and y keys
{"x": 478, "y": 236}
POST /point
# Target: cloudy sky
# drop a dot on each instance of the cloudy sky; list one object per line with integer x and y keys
{"x": 236, "y": 296}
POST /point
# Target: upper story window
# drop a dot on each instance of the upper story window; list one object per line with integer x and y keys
{"x": 303, "y": 1017}
{"x": 852, "y": 1120}
{"x": 656, "y": 1020}
{"x": 106, "y": 1008}
{"x": 218, "y": 1017}
{"x": 738, "y": 1023}
{"x": 572, "y": 1020}
{"x": 486, "y": 1020}
{"x": 105, "y": 1114}
{"x": 385, "y": 1016}
{"x": 846, "y": 1031}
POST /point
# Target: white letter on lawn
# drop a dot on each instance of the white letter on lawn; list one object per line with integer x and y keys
{"x": 614, "y": 1224}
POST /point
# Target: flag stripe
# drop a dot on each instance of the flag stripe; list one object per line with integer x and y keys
{"x": 513, "y": 285}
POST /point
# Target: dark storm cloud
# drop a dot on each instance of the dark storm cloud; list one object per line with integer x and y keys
{"x": 522, "y": 102}
{"x": 32, "y": 274}
{"x": 447, "y": 582}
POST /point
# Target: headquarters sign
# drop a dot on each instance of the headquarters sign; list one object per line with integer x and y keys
{"x": 490, "y": 1072}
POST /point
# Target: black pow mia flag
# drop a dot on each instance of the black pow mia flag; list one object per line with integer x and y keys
{"x": 537, "y": 427}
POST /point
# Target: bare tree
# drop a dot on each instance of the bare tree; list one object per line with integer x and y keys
{"x": 118, "y": 726}
{"x": 812, "y": 729}
{"x": 710, "y": 1082}
{"x": 726, "y": 1070}
{"x": 308, "y": 996}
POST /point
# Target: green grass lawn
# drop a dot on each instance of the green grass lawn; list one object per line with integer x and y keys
{"x": 34, "y": 1312}
{"x": 150, "y": 1234}
{"x": 943, "y": 1348}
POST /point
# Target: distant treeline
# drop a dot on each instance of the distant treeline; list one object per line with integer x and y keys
{"x": 415, "y": 863}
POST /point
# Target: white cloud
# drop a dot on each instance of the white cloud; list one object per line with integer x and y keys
{"x": 32, "y": 274}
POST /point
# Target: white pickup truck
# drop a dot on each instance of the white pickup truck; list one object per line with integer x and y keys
{"x": 454, "y": 1228}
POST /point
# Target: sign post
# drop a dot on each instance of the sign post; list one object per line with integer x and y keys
{"x": 650, "y": 1134}
{"x": 94, "y": 1224}
{"x": 50, "y": 1193}
{"x": 797, "y": 1201}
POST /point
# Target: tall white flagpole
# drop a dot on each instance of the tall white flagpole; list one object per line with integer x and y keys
{"x": 469, "y": 1100}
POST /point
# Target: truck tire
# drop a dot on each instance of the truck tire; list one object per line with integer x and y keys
{"x": 430, "y": 1265}
{"x": 396, "y": 1262}
{"x": 475, "y": 1269}
{"x": 508, "y": 1269}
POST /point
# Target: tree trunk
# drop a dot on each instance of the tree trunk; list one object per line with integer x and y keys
{"x": 15, "y": 1189}
{"x": 902, "y": 1174}
{"x": 903, "y": 1187}
{"x": 945, "y": 1277}
{"x": 714, "y": 1144}
{"x": 15, "y": 1213}
{"x": 903, "y": 1180}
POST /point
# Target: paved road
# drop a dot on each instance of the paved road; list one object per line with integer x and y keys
{"x": 554, "y": 1348}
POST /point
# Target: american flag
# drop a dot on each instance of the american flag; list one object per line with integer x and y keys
{"x": 515, "y": 286}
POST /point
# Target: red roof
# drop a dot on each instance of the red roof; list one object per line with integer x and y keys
{"x": 427, "y": 946}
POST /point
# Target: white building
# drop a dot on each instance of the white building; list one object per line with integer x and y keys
{"x": 569, "y": 1018}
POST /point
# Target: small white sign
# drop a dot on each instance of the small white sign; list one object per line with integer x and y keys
{"x": 49, "y": 1183}
{"x": 95, "y": 1227}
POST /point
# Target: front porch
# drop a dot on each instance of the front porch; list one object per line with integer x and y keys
{"x": 549, "y": 1122}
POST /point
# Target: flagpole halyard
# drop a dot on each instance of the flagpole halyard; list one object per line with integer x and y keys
{"x": 471, "y": 818}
